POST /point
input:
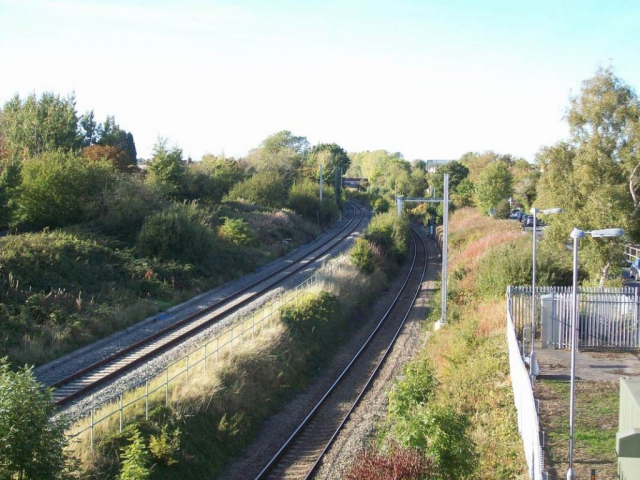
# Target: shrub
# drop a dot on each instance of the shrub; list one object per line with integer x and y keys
{"x": 312, "y": 319}
{"x": 135, "y": 465}
{"x": 415, "y": 389}
{"x": 181, "y": 232}
{"x": 165, "y": 446}
{"x": 239, "y": 232}
{"x": 399, "y": 464}
{"x": 363, "y": 256}
{"x": 503, "y": 209}
{"x": 32, "y": 444}
{"x": 127, "y": 206}
{"x": 60, "y": 189}
{"x": 304, "y": 199}
{"x": 390, "y": 233}
{"x": 264, "y": 188}
{"x": 510, "y": 264}
{"x": 381, "y": 205}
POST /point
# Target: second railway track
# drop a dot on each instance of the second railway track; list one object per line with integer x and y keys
{"x": 99, "y": 373}
{"x": 302, "y": 452}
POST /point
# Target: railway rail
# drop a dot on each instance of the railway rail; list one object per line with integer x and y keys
{"x": 87, "y": 379}
{"x": 300, "y": 455}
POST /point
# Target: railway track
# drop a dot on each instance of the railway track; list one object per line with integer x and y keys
{"x": 302, "y": 452}
{"x": 87, "y": 379}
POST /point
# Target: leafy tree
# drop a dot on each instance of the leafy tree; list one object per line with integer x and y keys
{"x": 281, "y": 154}
{"x": 32, "y": 126}
{"x": 211, "y": 178}
{"x": 263, "y": 188}
{"x": 9, "y": 181}
{"x": 331, "y": 156}
{"x": 457, "y": 173}
{"x": 89, "y": 129}
{"x": 114, "y": 155}
{"x": 166, "y": 169}
{"x": 31, "y": 442}
{"x": 493, "y": 185}
{"x": 111, "y": 134}
{"x": 593, "y": 175}
{"x": 59, "y": 189}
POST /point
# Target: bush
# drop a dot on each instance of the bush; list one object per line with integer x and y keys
{"x": 363, "y": 256}
{"x": 381, "y": 205}
{"x": 127, "y": 206}
{"x": 135, "y": 464}
{"x": 390, "y": 233}
{"x": 312, "y": 319}
{"x": 60, "y": 189}
{"x": 32, "y": 445}
{"x": 239, "y": 232}
{"x": 510, "y": 264}
{"x": 503, "y": 209}
{"x": 304, "y": 199}
{"x": 263, "y": 188}
{"x": 398, "y": 464}
{"x": 182, "y": 232}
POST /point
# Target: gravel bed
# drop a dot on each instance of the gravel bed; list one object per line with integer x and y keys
{"x": 158, "y": 363}
{"x": 277, "y": 429}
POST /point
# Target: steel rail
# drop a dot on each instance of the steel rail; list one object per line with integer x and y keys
{"x": 288, "y": 443}
{"x": 321, "y": 249}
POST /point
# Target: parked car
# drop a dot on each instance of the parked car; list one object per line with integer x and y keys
{"x": 515, "y": 214}
{"x": 634, "y": 269}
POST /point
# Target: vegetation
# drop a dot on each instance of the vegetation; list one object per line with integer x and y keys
{"x": 390, "y": 233}
{"x": 31, "y": 446}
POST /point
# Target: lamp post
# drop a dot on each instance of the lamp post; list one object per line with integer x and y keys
{"x": 577, "y": 234}
{"x": 532, "y": 356}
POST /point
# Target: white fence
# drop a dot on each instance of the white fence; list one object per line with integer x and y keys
{"x": 608, "y": 317}
{"x": 528, "y": 422}
{"x": 137, "y": 400}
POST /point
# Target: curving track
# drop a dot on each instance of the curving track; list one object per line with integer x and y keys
{"x": 301, "y": 454}
{"x": 88, "y": 379}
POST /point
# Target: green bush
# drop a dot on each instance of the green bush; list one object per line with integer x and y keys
{"x": 381, "y": 205}
{"x": 127, "y": 206}
{"x": 264, "y": 188}
{"x": 182, "y": 232}
{"x": 363, "y": 256}
{"x": 415, "y": 389}
{"x": 503, "y": 209}
{"x": 312, "y": 319}
{"x": 510, "y": 264}
{"x": 304, "y": 199}
{"x": 390, "y": 233}
{"x": 60, "y": 189}
{"x": 135, "y": 459}
{"x": 239, "y": 232}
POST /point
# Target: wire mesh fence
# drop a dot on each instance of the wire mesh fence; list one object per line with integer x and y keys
{"x": 138, "y": 400}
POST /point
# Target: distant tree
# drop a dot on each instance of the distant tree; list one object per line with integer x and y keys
{"x": 9, "y": 181}
{"x": 331, "y": 156}
{"x": 89, "y": 129}
{"x": 281, "y": 154}
{"x": 457, "y": 173}
{"x": 166, "y": 169}
{"x": 31, "y": 442}
{"x": 263, "y": 188}
{"x": 34, "y": 126}
{"x": 114, "y": 155}
{"x": 110, "y": 134}
{"x": 493, "y": 185}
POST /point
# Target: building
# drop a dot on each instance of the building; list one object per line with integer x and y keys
{"x": 432, "y": 165}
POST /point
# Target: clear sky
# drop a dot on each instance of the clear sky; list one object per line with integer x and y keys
{"x": 430, "y": 79}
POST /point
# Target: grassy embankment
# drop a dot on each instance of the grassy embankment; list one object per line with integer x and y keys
{"x": 65, "y": 288}
{"x": 219, "y": 412}
{"x": 454, "y": 404}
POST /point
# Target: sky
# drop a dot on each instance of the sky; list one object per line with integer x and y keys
{"x": 429, "y": 79}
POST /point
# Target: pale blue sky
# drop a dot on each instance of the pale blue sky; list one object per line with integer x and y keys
{"x": 431, "y": 79}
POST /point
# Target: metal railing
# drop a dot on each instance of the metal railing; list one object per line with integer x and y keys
{"x": 136, "y": 401}
{"x": 608, "y": 317}
{"x": 526, "y": 405}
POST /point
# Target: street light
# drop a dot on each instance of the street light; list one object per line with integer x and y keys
{"x": 577, "y": 234}
{"x": 532, "y": 356}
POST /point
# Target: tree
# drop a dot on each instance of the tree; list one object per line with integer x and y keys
{"x": 593, "y": 175}
{"x": 493, "y": 185}
{"x": 166, "y": 169}
{"x": 331, "y": 156}
{"x": 281, "y": 154}
{"x": 110, "y": 134}
{"x": 34, "y": 126}
{"x": 457, "y": 173}
{"x": 89, "y": 129}
{"x": 31, "y": 441}
{"x": 114, "y": 155}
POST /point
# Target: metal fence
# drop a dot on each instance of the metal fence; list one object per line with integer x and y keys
{"x": 526, "y": 404}
{"x": 136, "y": 401}
{"x": 631, "y": 252}
{"x": 608, "y": 317}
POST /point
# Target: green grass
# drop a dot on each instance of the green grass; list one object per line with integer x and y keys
{"x": 596, "y": 424}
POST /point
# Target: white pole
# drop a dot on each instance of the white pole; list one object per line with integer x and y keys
{"x": 576, "y": 235}
{"x": 445, "y": 241}
{"x": 532, "y": 357}
{"x": 321, "y": 183}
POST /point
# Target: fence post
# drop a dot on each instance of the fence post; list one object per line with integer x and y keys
{"x": 146, "y": 399}
{"x": 166, "y": 388}
{"x": 635, "y": 317}
{"x": 204, "y": 358}
{"x": 121, "y": 412}
{"x": 91, "y": 431}
{"x": 187, "y": 370}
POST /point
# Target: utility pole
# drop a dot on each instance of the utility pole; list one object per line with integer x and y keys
{"x": 445, "y": 242}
